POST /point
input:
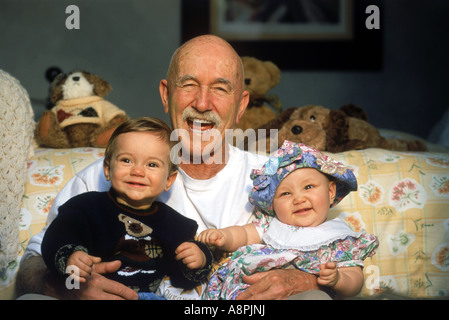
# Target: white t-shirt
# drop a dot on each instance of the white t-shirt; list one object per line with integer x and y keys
{"x": 218, "y": 202}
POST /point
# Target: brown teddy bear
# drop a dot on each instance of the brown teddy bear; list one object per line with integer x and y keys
{"x": 335, "y": 130}
{"x": 260, "y": 78}
{"x": 80, "y": 116}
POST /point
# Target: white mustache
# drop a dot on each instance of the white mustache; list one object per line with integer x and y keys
{"x": 207, "y": 116}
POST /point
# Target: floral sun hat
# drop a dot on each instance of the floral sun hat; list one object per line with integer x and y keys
{"x": 292, "y": 156}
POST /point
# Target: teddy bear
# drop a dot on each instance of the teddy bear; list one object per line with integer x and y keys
{"x": 260, "y": 77}
{"x": 80, "y": 116}
{"x": 334, "y": 130}
{"x": 137, "y": 248}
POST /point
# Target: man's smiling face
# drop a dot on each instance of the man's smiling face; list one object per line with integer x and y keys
{"x": 205, "y": 92}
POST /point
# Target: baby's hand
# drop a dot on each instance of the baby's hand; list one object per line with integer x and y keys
{"x": 84, "y": 262}
{"x": 191, "y": 255}
{"x": 212, "y": 237}
{"x": 328, "y": 275}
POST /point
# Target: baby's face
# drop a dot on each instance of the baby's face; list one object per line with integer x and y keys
{"x": 139, "y": 169}
{"x": 303, "y": 198}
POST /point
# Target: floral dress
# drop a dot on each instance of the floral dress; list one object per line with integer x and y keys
{"x": 287, "y": 246}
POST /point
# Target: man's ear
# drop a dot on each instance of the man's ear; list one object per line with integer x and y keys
{"x": 163, "y": 91}
{"x": 170, "y": 180}
{"x": 242, "y": 107}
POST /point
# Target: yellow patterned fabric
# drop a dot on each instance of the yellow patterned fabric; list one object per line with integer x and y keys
{"x": 402, "y": 198}
{"x": 48, "y": 171}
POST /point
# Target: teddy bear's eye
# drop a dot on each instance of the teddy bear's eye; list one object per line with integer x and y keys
{"x": 247, "y": 81}
{"x": 312, "y": 118}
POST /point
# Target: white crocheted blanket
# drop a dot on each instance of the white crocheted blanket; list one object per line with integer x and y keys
{"x": 16, "y": 136}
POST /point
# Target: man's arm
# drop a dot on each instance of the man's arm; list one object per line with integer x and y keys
{"x": 278, "y": 284}
{"x": 34, "y": 277}
{"x": 31, "y": 276}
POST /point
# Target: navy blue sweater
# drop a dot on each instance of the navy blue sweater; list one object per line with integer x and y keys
{"x": 144, "y": 240}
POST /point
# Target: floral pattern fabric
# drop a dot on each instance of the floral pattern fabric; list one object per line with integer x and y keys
{"x": 48, "y": 171}
{"x": 402, "y": 199}
{"x": 289, "y": 157}
{"x": 226, "y": 283}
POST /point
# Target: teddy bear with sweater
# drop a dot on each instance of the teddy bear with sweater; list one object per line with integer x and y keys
{"x": 80, "y": 116}
{"x": 260, "y": 78}
{"x": 334, "y": 130}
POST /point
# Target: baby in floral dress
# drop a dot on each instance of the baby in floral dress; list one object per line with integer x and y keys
{"x": 292, "y": 195}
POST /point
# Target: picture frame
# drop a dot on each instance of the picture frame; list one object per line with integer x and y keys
{"x": 281, "y": 20}
{"x": 342, "y": 43}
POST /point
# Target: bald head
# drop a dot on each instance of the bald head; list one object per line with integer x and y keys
{"x": 201, "y": 47}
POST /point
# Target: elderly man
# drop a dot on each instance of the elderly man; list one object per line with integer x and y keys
{"x": 204, "y": 95}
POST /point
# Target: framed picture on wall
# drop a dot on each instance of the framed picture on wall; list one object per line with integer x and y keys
{"x": 294, "y": 34}
{"x": 281, "y": 20}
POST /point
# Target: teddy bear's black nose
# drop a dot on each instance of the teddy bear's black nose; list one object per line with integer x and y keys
{"x": 297, "y": 129}
{"x": 75, "y": 78}
{"x": 247, "y": 81}
{"x": 135, "y": 227}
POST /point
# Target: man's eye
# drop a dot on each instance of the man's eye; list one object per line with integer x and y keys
{"x": 222, "y": 89}
{"x": 189, "y": 86}
{"x": 308, "y": 187}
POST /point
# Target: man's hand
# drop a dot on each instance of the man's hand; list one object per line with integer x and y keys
{"x": 277, "y": 284}
{"x": 98, "y": 287}
{"x": 34, "y": 277}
